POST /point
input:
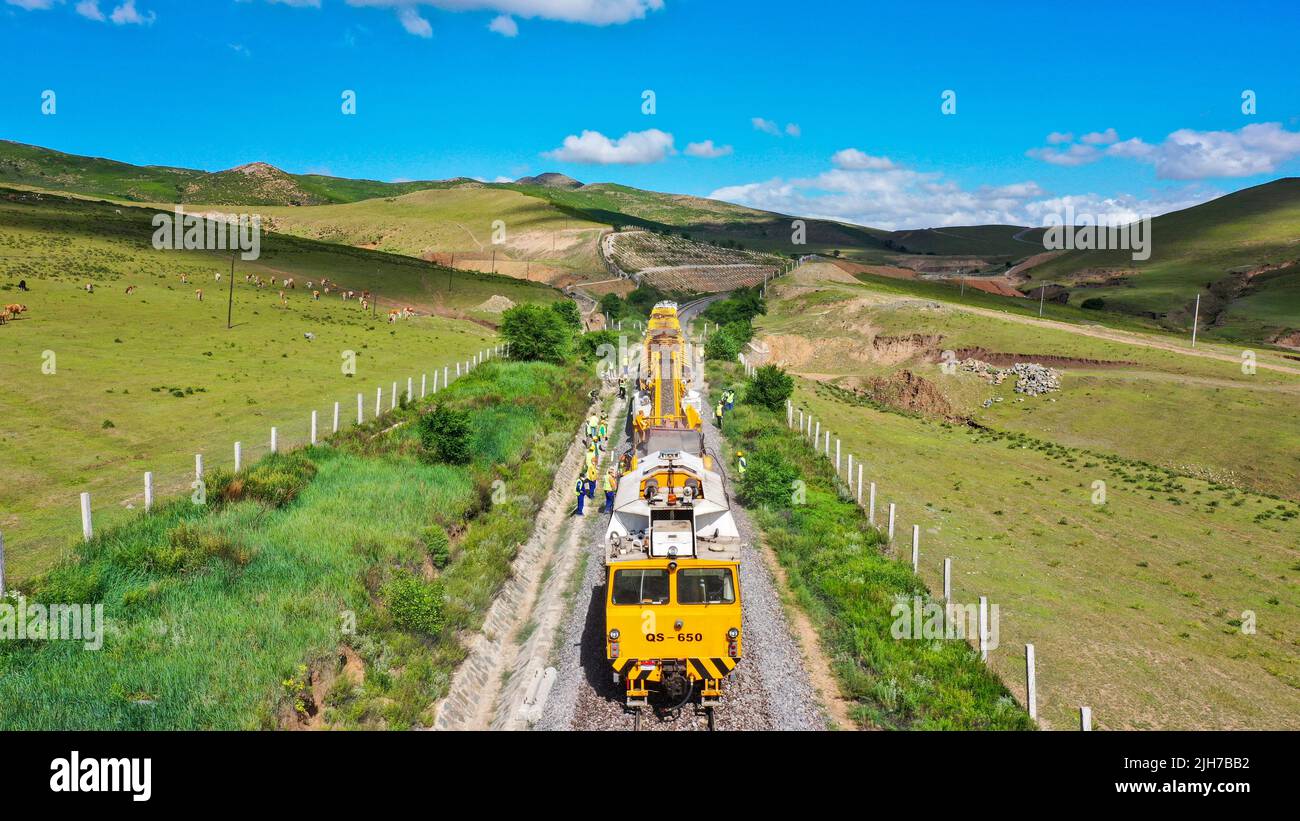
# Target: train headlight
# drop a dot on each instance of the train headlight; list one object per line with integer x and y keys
{"x": 614, "y": 634}
{"x": 733, "y": 634}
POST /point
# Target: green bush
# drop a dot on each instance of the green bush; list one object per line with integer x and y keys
{"x": 768, "y": 480}
{"x": 567, "y": 310}
{"x": 536, "y": 333}
{"x": 1095, "y": 303}
{"x": 414, "y": 604}
{"x": 770, "y": 388}
{"x": 276, "y": 480}
{"x": 589, "y": 343}
{"x": 722, "y": 346}
{"x": 438, "y": 545}
{"x": 445, "y": 435}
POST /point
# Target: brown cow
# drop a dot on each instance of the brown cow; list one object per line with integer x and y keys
{"x": 198, "y": 292}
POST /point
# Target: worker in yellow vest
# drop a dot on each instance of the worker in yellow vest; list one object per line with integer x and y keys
{"x": 592, "y": 476}
{"x": 741, "y": 464}
{"x": 717, "y": 415}
{"x": 581, "y": 487}
{"x": 611, "y": 485}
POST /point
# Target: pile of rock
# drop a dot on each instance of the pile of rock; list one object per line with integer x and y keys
{"x": 989, "y": 373}
{"x": 1033, "y": 380}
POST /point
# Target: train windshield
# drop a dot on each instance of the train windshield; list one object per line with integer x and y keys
{"x": 705, "y": 585}
{"x": 637, "y": 586}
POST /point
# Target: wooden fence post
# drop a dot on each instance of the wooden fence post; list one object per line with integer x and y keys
{"x": 148, "y": 490}
{"x": 86, "y": 530}
{"x": 1031, "y": 683}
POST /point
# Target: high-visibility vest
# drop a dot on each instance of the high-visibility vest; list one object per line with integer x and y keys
{"x": 718, "y": 410}
{"x": 741, "y": 464}
{"x": 592, "y": 474}
{"x": 578, "y": 486}
{"x": 610, "y": 484}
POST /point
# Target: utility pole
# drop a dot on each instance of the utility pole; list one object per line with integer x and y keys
{"x": 1196, "y": 317}
{"x": 1042, "y": 291}
{"x": 230, "y": 304}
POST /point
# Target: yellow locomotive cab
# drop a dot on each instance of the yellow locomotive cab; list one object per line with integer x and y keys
{"x": 673, "y": 626}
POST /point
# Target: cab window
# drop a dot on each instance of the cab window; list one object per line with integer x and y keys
{"x": 640, "y": 586}
{"x": 705, "y": 585}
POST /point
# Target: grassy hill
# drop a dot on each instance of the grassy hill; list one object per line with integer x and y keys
{"x": 1240, "y": 252}
{"x": 110, "y": 411}
{"x": 1196, "y": 527}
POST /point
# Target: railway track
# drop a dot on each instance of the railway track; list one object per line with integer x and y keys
{"x": 769, "y": 690}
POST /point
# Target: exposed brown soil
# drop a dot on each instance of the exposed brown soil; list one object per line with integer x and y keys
{"x": 320, "y": 678}
{"x": 1007, "y": 359}
{"x": 907, "y": 391}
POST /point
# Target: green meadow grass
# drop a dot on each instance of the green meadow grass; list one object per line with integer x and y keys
{"x": 215, "y": 637}
{"x": 143, "y": 382}
{"x": 837, "y": 568}
{"x": 1196, "y": 415}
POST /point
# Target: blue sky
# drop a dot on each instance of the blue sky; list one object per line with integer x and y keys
{"x": 817, "y": 108}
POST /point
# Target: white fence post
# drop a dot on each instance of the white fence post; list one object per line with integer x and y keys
{"x": 850, "y": 471}
{"x": 2, "y": 565}
{"x": 801, "y": 422}
{"x": 392, "y": 396}
{"x": 424, "y": 381}
{"x": 859, "y": 484}
{"x": 379, "y": 401}
{"x": 828, "y": 444}
{"x": 148, "y": 490}
{"x": 837, "y": 457}
{"x": 86, "y": 530}
{"x": 1031, "y": 683}
{"x": 313, "y": 427}
{"x": 336, "y": 418}
{"x": 891, "y": 522}
{"x": 360, "y": 401}
{"x": 458, "y": 370}
{"x": 445, "y": 380}
{"x": 1085, "y": 718}
{"x": 984, "y": 628}
{"x": 871, "y": 504}
{"x": 817, "y": 435}
{"x": 916, "y": 548}
{"x": 410, "y": 389}
{"x": 947, "y": 579}
{"x": 275, "y": 441}
{"x": 198, "y": 467}
{"x": 239, "y": 456}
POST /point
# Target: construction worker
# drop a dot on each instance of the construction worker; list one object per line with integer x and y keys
{"x": 581, "y": 488}
{"x": 741, "y": 464}
{"x": 592, "y": 456}
{"x": 622, "y": 387}
{"x": 717, "y": 415}
{"x": 729, "y": 398}
{"x": 592, "y": 476}
{"x": 603, "y": 431}
{"x": 611, "y": 485}
{"x": 591, "y": 426}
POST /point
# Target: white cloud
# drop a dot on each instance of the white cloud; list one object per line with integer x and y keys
{"x": 504, "y": 25}
{"x": 33, "y": 5}
{"x": 707, "y": 150}
{"x": 852, "y": 158}
{"x": 1187, "y": 154}
{"x": 590, "y": 12}
{"x": 864, "y": 190}
{"x": 1100, "y": 137}
{"x": 766, "y": 126}
{"x": 126, "y": 14}
{"x": 1058, "y": 137}
{"x": 793, "y": 129}
{"x": 414, "y": 23}
{"x": 633, "y": 148}
{"x": 90, "y": 10}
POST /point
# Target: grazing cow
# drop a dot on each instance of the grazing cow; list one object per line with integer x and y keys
{"x": 130, "y": 289}
{"x": 14, "y": 309}
{"x": 218, "y": 276}
{"x": 315, "y": 295}
{"x": 90, "y": 287}
{"x": 22, "y": 285}
{"x": 309, "y": 336}
{"x": 365, "y": 304}
{"x": 248, "y": 277}
{"x": 185, "y": 279}
{"x": 309, "y": 284}
{"x": 198, "y": 292}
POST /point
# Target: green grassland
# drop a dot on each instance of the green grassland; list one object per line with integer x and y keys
{"x": 841, "y": 575}
{"x": 452, "y": 220}
{"x": 110, "y": 411}
{"x": 1135, "y": 606}
{"x": 240, "y": 612}
{"x": 993, "y": 242}
{"x": 1195, "y": 415}
{"x": 1193, "y": 248}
